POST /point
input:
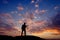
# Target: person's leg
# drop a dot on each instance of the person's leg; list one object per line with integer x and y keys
{"x": 25, "y": 33}
{"x": 22, "y": 33}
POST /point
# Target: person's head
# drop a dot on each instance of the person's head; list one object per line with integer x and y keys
{"x": 24, "y": 23}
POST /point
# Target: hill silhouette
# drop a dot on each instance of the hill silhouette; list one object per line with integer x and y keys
{"x": 28, "y": 37}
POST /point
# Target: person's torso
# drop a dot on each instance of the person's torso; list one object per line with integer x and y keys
{"x": 23, "y": 26}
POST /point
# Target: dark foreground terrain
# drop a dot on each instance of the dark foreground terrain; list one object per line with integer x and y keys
{"x": 28, "y": 37}
{"x": 20, "y": 38}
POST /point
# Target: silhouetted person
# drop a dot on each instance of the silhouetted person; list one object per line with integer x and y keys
{"x": 23, "y": 29}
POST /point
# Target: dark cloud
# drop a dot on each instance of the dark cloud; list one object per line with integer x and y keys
{"x": 56, "y": 20}
{"x": 1, "y": 33}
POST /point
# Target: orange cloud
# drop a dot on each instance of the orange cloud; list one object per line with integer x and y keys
{"x": 13, "y": 31}
{"x": 53, "y": 31}
{"x": 48, "y": 33}
{"x": 36, "y": 26}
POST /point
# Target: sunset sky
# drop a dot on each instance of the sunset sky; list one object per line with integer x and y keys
{"x": 41, "y": 16}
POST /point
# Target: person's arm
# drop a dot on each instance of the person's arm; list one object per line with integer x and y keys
{"x": 27, "y": 26}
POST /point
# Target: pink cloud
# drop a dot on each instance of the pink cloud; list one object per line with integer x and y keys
{"x": 6, "y": 15}
{"x": 20, "y": 8}
{"x": 36, "y": 5}
{"x": 32, "y": 1}
{"x": 20, "y": 21}
{"x": 7, "y": 18}
{"x": 35, "y": 26}
{"x": 37, "y": 11}
{"x": 10, "y": 32}
{"x": 19, "y": 14}
{"x": 43, "y": 11}
{"x": 27, "y": 15}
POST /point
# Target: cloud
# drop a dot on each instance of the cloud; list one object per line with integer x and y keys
{"x": 37, "y": 11}
{"x": 33, "y": 26}
{"x": 32, "y": 1}
{"x": 36, "y": 5}
{"x": 36, "y": 26}
{"x": 35, "y": 1}
{"x": 27, "y": 15}
{"x": 7, "y": 26}
{"x": 10, "y": 32}
{"x": 19, "y": 14}
{"x": 54, "y": 31}
{"x": 56, "y": 7}
{"x": 14, "y": 12}
{"x": 20, "y": 21}
{"x": 48, "y": 33}
{"x": 56, "y": 20}
{"x": 43, "y": 11}
{"x": 20, "y": 8}
{"x": 8, "y": 18}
